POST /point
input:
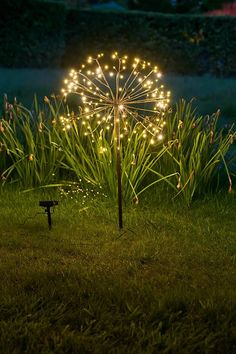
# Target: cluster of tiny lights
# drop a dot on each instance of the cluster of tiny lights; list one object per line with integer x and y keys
{"x": 74, "y": 190}
{"x": 129, "y": 87}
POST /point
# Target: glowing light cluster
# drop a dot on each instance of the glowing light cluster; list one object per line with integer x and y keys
{"x": 73, "y": 190}
{"x": 130, "y": 88}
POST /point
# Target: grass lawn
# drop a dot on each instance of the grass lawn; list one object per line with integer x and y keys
{"x": 166, "y": 284}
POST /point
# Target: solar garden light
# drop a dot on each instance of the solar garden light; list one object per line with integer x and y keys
{"x": 115, "y": 94}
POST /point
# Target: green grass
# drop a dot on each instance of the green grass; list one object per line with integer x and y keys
{"x": 166, "y": 284}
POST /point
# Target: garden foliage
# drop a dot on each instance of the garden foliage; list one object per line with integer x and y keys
{"x": 186, "y": 44}
{"x": 32, "y": 33}
{"x": 37, "y": 150}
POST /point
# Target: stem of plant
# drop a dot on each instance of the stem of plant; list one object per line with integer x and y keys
{"x": 118, "y": 164}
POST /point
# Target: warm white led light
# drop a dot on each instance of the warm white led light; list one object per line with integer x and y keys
{"x": 130, "y": 85}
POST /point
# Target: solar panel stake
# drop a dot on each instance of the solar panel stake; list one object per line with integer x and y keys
{"x": 47, "y": 204}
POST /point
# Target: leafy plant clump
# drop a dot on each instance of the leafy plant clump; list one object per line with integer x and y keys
{"x": 38, "y": 149}
{"x": 199, "y": 153}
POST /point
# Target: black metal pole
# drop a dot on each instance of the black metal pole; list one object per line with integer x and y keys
{"x": 48, "y": 210}
{"x": 119, "y": 189}
{"x": 118, "y": 165}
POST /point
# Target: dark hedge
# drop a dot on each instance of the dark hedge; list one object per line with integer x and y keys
{"x": 31, "y": 33}
{"x": 38, "y": 34}
{"x": 178, "y": 43}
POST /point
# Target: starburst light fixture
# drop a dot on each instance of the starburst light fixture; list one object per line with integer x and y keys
{"x": 117, "y": 94}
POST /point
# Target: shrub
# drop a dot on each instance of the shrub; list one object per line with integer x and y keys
{"x": 30, "y": 155}
{"x": 213, "y": 4}
{"x": 151, "y": 5}
{"x": 179, "y": 43}
{"x": 37, "y": 150}
{"x": 32, "y": 33}
{"x": 185, "y": 6}
{"x": 49, "y": 35}
{"x": 199, "y": 153}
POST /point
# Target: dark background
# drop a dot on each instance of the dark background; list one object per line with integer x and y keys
{"x": 40, "y": 34}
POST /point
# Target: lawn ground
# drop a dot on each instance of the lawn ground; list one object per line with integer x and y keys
{"x": 165, "y": 284}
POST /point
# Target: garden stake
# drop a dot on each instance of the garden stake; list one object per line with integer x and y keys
{"x": 118, "y": 163}
{"x": 47, "y": 204}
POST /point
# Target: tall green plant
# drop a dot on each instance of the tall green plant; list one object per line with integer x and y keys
{"x": 91, "y": 158}
{"x": 199, "y": 152}
{"x": 37, "y": 148}
{"x": 31, "y": 153}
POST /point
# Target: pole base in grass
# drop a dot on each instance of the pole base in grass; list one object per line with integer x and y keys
{"x": 48, "y": 204}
